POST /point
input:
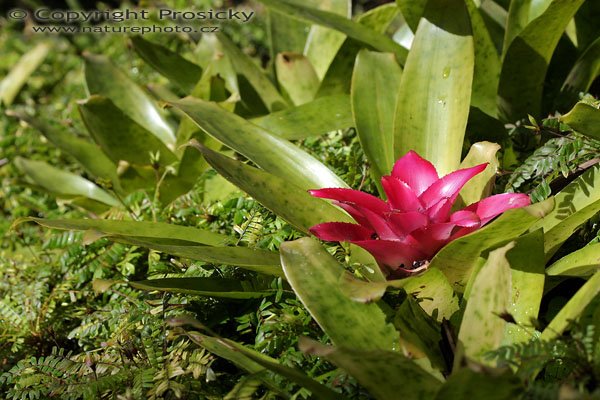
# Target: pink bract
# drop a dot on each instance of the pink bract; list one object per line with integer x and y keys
{"x": 416, "y": 220}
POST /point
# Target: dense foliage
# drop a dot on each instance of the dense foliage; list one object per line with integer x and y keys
{"x": 167, "y": 177}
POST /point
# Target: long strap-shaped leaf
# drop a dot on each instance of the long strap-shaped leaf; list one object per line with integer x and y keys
{"x": 350, "y": 28}
{"x": 213, "y": 287}
{"x": 321, "y": 115}
{"x": 253, "y": 361}
{"x": 387, "y": 375}
{"x": 375, "y": 85}
{"x": 139, "y": 229}
{"x": 263, "y": 261}
{"x": 339, "y": 74}
{"x": 19, "y": 74}
{"x": 582, "y": 75}
{"x": 174, "y": 67}
{"x": 323, "y": 43}
{"x": 104, "y": 79}
{"x": 63, "y": 183}
{"x": 273, "y": 154}
{"x": 486, "y": 74}
{"x": 459, "y": 257}
{"x": 574, "y": 307}
{"x": 481, "y": 329}
{"x": 119, "y": 136}
{"x": 582, "y": 262}
{"x": 526, "y": 262}
{"x": 575, "y": 204}
{"x": 281, "y": 196}
{"x": 435, "y": 89}
{"x": 314, "y": 275}
{"x": 527, "y": 59}
{"x": 246, "y": 67}
{"x": 88, "y": 154}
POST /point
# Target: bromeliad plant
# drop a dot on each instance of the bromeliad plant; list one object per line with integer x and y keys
{"x": 405, "y": 232}
{"x": 485, "y": 279}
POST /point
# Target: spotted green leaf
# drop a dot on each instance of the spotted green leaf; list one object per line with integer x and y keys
{"x": 458, "y": 259}
{"x": 322, "y": 115}
{"x": 273, "y": 154}
{"x": 482, "y": 329}
{"x": 314, "y": 274}
{"x": 104, "y": 79}
{"x": 282, "y": 197}
{"x": 373, "y": 369}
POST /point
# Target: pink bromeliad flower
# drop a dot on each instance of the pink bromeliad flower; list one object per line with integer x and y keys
{"x": 416, "y": 221}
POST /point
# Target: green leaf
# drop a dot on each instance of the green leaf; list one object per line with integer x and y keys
{"x": 273, "y": 154}
{"x": 582, "y": 75}
{"x": 263, "y": 261}
{"x": 319, "y": 390}
{"x": 224, "y": 349}
{"x": 481, "y": 329}
{"x": 486, "y": 73}
{"x": 585, "y": 119}
{"x": 420, "y": 330}
{"x": 527, "y": 58}
{"x": 19, "y": 74}
{"x": 320, "y": 116}
{"x": 374, "y": 369}
{"x": 434, "y": 294}
{"x": 246, "y": 67}
{"x": 104, "y": 79}
{"x": 432, "y": 289}
{"x": 63, "y": 183}
{"x": 323, "y": 43}
{"x": 339, "y": 75}
{"x": 297, "y": 77}
{"x": 119, "y": 136}
{"x": 412, "y": 11}
{"x": 489, "y": 385}
{"x": 291, "y": 203}
{"x": 352, "y": 29}
{"x": 138, "y": 229}
{"x": 285, "y": 33}
{"x": 435, "y": 90}
{"x": 586, "y": 25}
{"x": 213, "y": 287}
{"x": 482, "y": 184}
{"x": 458, "y": 258}
{"x": 174, "y": 67}
{"x": 582, "y": 262}
{"x": 575, "y": 204}
{"x": 573, "y": 309}
{"x": 375, "y": 85}
{"x": 526, "y": 262}
{"x": 89, "y": 155}
{"x": 314, "y": 276}
{"x": 516, "y": 21}
{"x": 494, "y": 16}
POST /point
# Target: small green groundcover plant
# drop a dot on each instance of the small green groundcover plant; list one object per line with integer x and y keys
{"x": 428, "y": 285}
